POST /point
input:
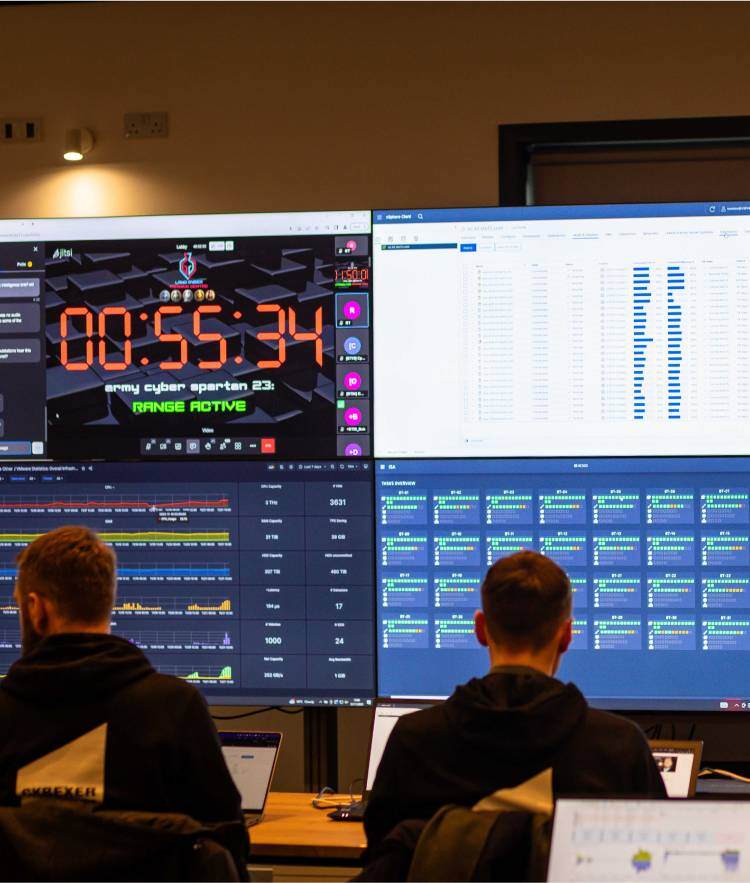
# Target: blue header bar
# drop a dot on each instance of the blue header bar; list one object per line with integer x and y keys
{"x": 561, "y": 212}
{"x": 385, "y": 469}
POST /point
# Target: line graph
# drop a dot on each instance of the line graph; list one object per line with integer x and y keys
{"x": 221, "y": 673}
{"x": 172, "y": 604}
{"x": 131, "y": 502}
{"x": 154, "y": 571}
{"x": 10, "y": 638}
{"x": 168, "y": 570}
{"x": 136, "y": 536}
{"x": 191, "y": 639}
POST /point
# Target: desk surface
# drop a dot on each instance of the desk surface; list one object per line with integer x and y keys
{"x": 293, "y": 828}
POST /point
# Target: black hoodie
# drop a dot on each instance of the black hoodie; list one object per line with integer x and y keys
{"x": 497, "y": 732}
{"x": 160, "y": 748}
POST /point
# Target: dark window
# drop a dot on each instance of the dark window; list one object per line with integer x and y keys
{"x": 678, "y": 160}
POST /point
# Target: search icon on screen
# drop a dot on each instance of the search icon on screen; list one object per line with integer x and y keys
{"x": 420, "y": 216}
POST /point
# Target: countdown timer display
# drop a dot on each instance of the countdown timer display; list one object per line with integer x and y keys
{"x": 172, "y": 347}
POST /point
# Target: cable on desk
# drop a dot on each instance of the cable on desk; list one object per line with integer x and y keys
{"x": 711, "y": 771}
{"x": 234, "y": 717}
{"x": 322, "y": 801}
{"x": 352, "y": 795}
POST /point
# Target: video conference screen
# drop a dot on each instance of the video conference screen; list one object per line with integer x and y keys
{"x": 201, "y": 336}
{"x": 563, "y": 331}
{"x": 252, "y": 580}
{"x": 657, "y": 551}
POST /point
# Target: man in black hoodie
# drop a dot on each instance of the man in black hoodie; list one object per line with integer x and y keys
{"x": 507, "y": 727}
{"x": 84, "y": 715}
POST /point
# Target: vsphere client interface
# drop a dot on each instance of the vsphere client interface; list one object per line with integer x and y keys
{"x": 657, "y": 550}
{"x": 251, "y": 580}
{"x": 562, "y": 331}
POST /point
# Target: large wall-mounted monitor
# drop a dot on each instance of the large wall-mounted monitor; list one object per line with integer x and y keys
{"x": 563, "y": 331}
{"x": 186, "y": 336}
{"x": 251, "y": 580}
{"x": 657, "y": 550}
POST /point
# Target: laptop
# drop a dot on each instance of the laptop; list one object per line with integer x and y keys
{"x": 384, "y": 720}
{"x": 679, "y": 764}
{"x": 251, "y": 758}
{"x": 675, "y": 840}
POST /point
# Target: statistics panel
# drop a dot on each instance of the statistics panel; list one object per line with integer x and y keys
{"x": 657, "y": 551}
{"x": 251, "y": 580}
{"x": 563, "y": 331}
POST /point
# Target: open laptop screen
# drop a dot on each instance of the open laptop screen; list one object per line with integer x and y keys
{"x": 678, "y": 763}
{"x": 650, "y": 839}
{"x": 251, "y": 759}
{"x": 386, "y": 715}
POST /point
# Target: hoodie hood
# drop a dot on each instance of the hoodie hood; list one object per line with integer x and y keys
{"x": 75, "y": 668}
{"x": 534, "y": 713}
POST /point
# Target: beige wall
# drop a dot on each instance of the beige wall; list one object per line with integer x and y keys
{"x": 282, "y": 106}
{"x": 334, "y": 105}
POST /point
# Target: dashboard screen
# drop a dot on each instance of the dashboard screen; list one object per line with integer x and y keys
{"x": 657, "y": 550}
{"x": 251, "y": 580}
{"x": 186, "y": 336}
{"x": 563, "y": 331}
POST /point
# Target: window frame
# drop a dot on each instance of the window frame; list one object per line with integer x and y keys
{"x": 517, "y": 142}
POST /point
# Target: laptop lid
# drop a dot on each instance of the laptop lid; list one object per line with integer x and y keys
{"x": 616, "y": 839}
{"x": 251, "y": 758}
{"x": 384, "y": 720}
{"x": 679, "y": 764}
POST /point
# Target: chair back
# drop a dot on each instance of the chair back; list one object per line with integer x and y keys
{"x": 52, "y": 839}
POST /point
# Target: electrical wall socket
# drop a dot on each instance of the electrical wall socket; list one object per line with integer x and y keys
{"x": 17, "y": 130}
{"x": 145, "y": 125}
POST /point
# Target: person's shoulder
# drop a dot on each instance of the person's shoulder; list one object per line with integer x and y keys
{"x": 604, "y": 724}
{"x": 8, "y": 706}
{"x": 174, "y": 693}
{"x": 426, "y": 720}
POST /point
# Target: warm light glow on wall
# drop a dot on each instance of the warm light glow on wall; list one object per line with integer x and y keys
{"x": 82, "y": 191}
{"x": 88, "y": 191}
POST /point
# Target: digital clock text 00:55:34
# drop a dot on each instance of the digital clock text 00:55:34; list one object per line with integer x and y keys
{"x": 286, "y": 327}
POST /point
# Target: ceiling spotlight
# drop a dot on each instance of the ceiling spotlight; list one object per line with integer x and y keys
{"x": 78, "y": 142}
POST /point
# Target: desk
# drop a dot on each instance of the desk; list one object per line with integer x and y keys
{"x": 302, "y": 843}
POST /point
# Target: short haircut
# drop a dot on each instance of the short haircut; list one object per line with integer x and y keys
{"x": 525, "y": 597}
{"x": 74, "y": 569}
